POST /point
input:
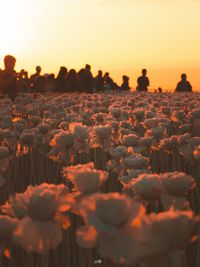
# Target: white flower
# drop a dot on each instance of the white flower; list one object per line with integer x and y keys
{"x": 38, "y": 236}
{"x": 177, "y": 183}
{"x": 85, "y": 177}
{"x": 169, "y": 143}
{"x": 118, "y": 152}
{"x": 27, "y": 138}
{"x": 146, "y": 141}
{"x": 130, "y": 140}
{"x": 132, "y": 174}
{"x": 135, "y": 161}
{"x": 147, "y": 186}
{"x": 43, "y": 128}
{"x": 102, "y": 132}
{"x": 151, "y": 123}
{"x": 63, "y": 140}
{"x": 139, "y": 114}
{"x": 156, "y": 132}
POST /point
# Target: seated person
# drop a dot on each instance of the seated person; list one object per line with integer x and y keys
{"x": 125, "y": 85}
{"x": 99, "y": 81}
{"x": 183, "y": 85}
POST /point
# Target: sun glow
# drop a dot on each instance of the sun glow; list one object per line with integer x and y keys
{"x": 12, "y": 30}
{"x": 120, "y": 37}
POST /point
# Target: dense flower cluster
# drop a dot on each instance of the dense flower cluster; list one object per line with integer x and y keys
{"x": 129, "y": 164}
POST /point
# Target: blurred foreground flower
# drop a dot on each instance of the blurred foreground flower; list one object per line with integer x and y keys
{"x": 40, "y": 210}
{"x": 123, "y": 232}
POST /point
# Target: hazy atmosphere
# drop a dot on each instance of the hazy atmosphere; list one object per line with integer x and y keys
{"x": 116, "y": 36}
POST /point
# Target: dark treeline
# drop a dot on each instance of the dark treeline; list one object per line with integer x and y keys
{"x": 11, "y": 82}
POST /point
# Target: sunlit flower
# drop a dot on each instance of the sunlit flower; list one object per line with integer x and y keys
{"x": 85, "y": 178}
{"x": 147, "y": 186}
{"x": 177, "y": 183}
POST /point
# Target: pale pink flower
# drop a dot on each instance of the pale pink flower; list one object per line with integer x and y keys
{"x": 118, "y": 152}
{"x": 130, "y": 140}
{"x": 27, "y": 138}
{"x": 43, "y": 128}
{"x": 63, "y": 140}
{"x": 169, "y": 143}
{"x": 135, "y": 161}
{"x": 38, "y": 236}
{"x": 157, "y": 132}
{"x": 40, "y": 209}
{"x": 151, "y": 123}
{"x": 16, "y": 206}
{"x": 146, "y": 141}
{"x": 147, "y": 186}
{"x": 85, "y": 178}
{"x": 101, "y": 137}
{"x": 165, "y": 225}
{"x": 177, "y": 183}
{"x": 45, "y": 200}
{"x": 110, "y": 210}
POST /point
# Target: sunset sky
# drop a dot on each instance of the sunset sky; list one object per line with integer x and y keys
{"x": 119, "y": 36}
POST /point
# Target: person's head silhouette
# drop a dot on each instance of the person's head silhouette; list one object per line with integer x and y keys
{"x": 125, "y": 78}
{"x": 38, "y": 69}
{"x": 87, "y": 67}
{"x": 183, "y": 77}
{"x": 9, "y": 62}
{"x": 100, "y": 73}
{"x": 63, "y": 70}
{"x": 144, "y": 72}
{"x": 106, "y": 75}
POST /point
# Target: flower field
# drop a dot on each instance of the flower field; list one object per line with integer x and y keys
{"x": 111, "y": 178}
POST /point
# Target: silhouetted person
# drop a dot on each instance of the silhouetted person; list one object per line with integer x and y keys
{"x": 99, "y": 81}
{"x": 160, "y": 90}
{"x": 89, "y": 81}
{"x": 40, "y": 84}
{"x": 35, "y": 76}
{"x": 50, "y": 83}
{"x": 8, "y": 78}
{"x": 81, "y": 77}
{"x": 125, "y": 85}
{"x": 143, "y": 81}
{"x": 61, "y": 80}
{"x": 73, "y": 83}
{"x": 109, "y": 83}
{"x": 23, "y": 81}
{"x": 86, "y": 79}
{"x": 183, "y": 85}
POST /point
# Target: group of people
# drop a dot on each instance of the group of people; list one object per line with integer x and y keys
{"x": 12, "y": 82}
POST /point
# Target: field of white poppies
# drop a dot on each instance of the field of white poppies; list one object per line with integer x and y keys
{"x": 100, "y": 180}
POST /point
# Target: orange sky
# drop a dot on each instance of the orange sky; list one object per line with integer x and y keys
{"x": 113, "y": 35}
